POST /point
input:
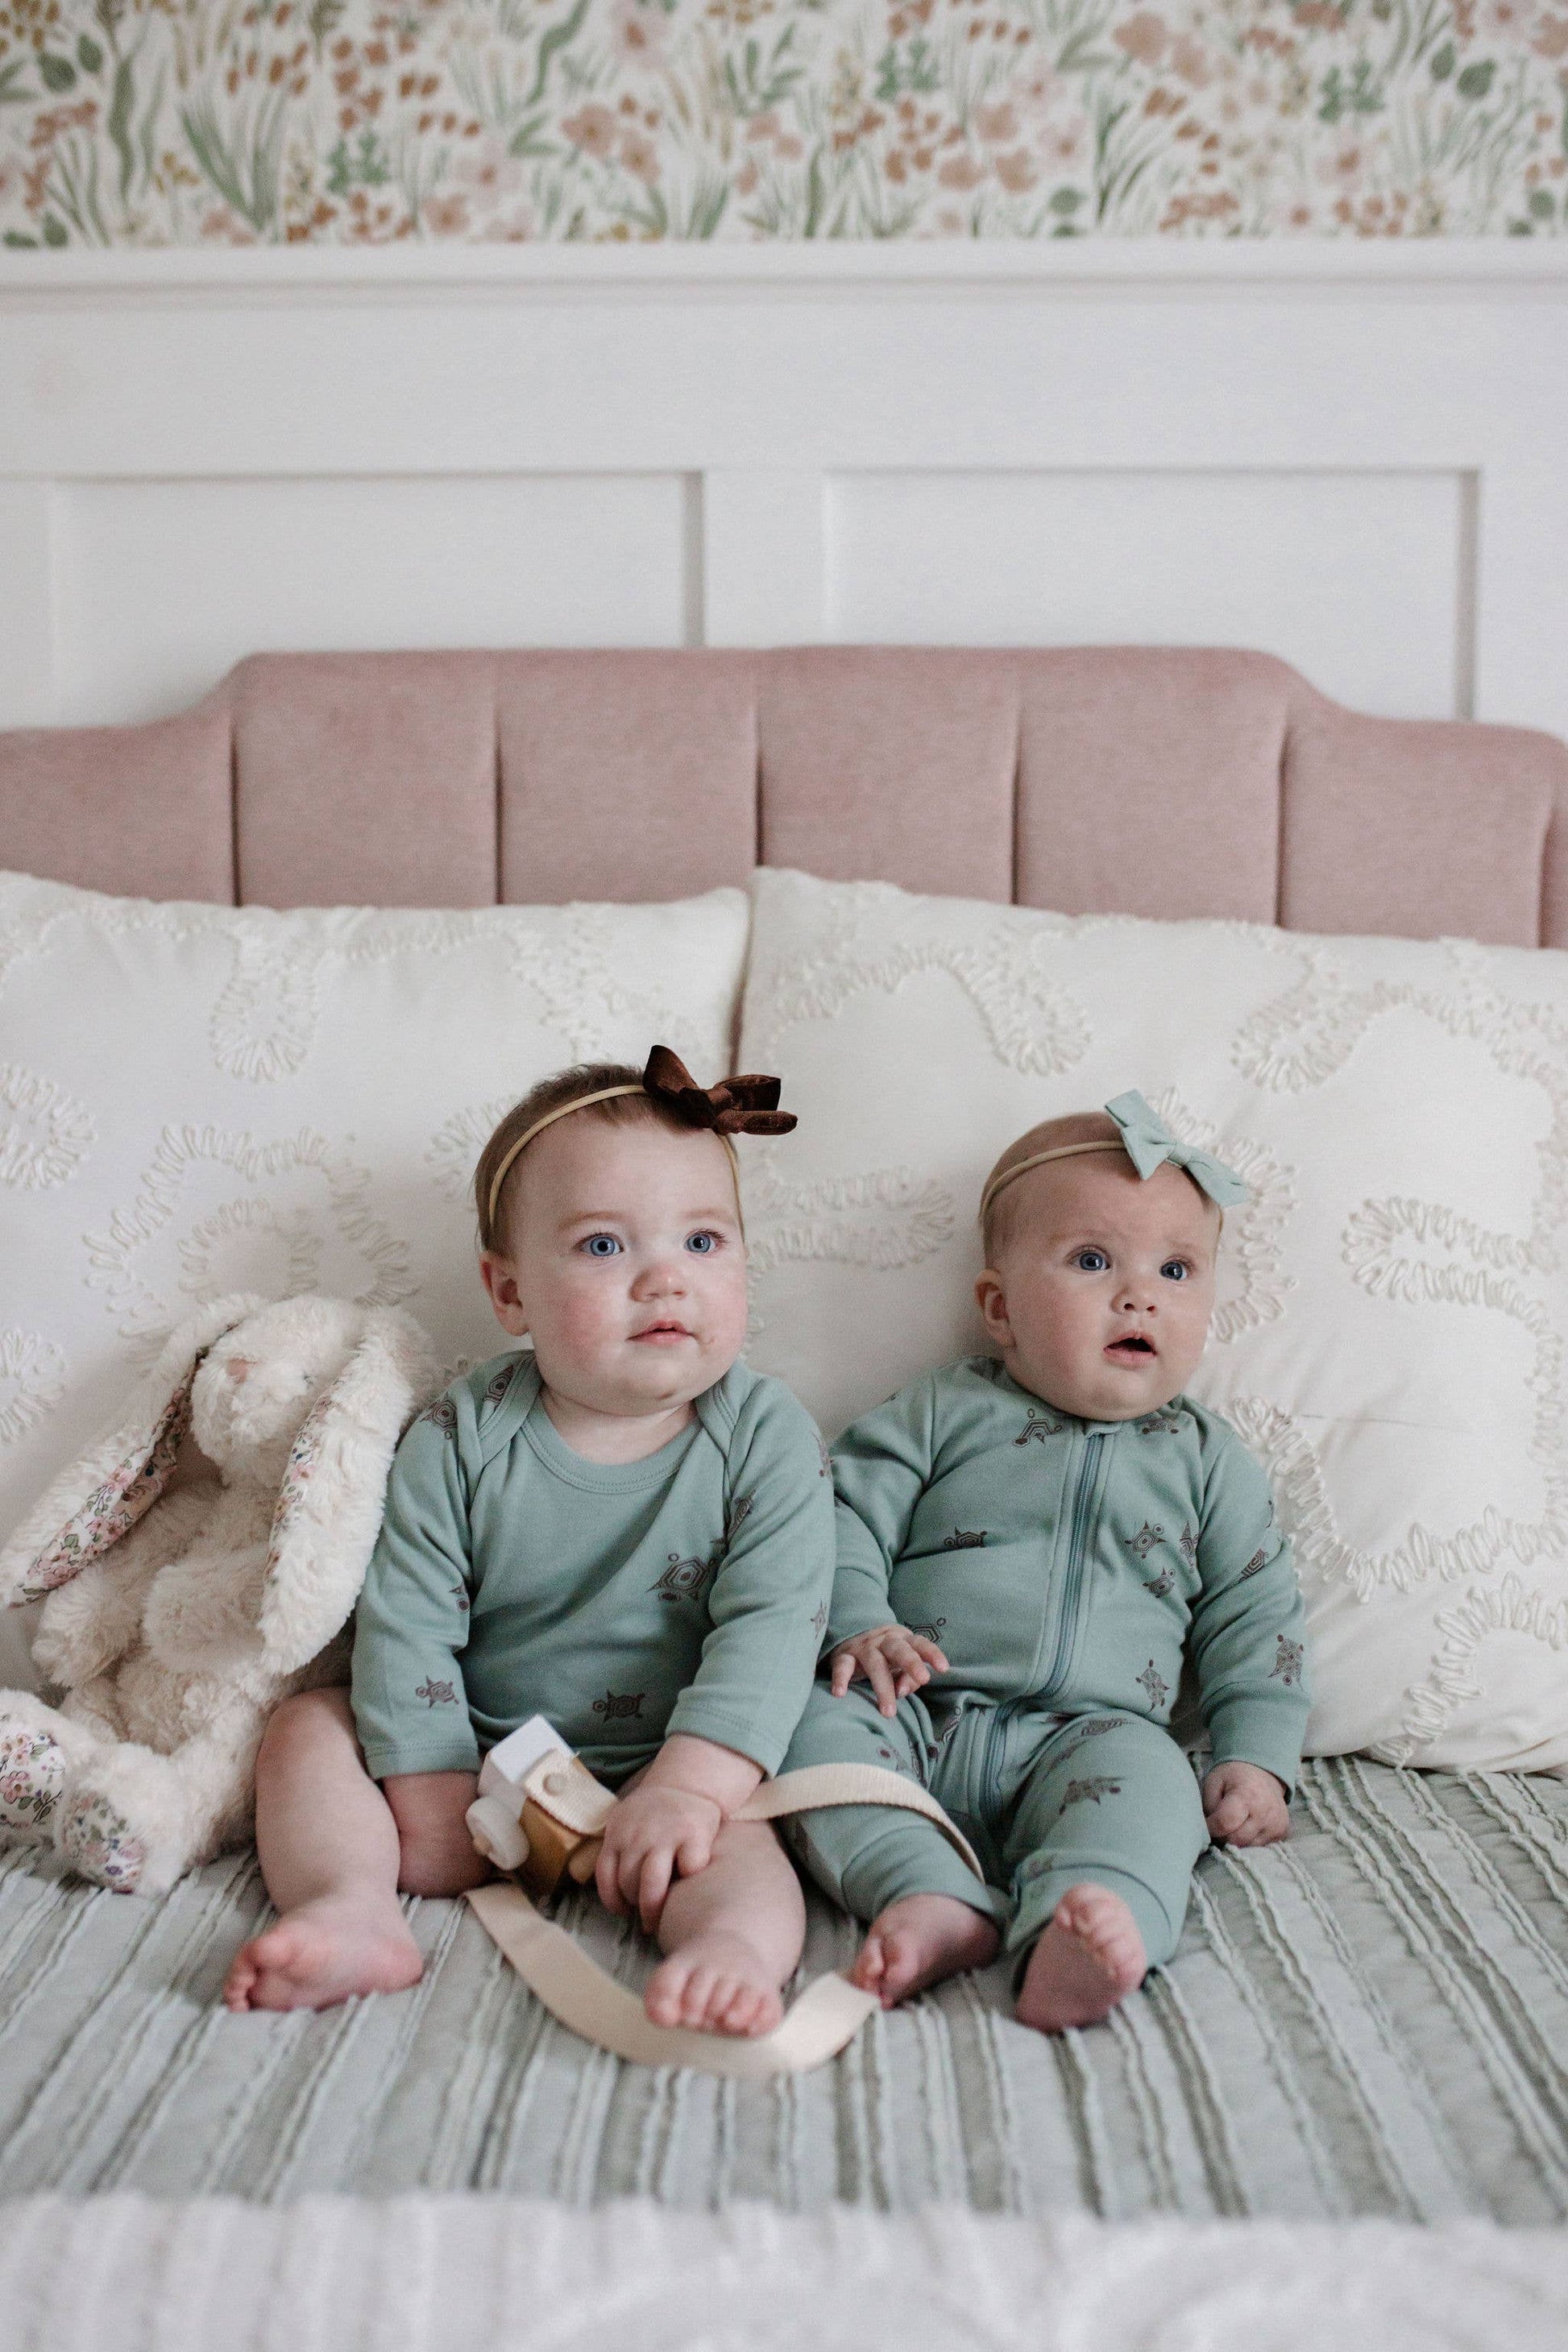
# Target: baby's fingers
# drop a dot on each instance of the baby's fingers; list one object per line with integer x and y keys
{"x": 846, "y": 1666}
{"x": 881, "y": 1680}
{"x": 909, "y": 1669}
{"x": 693, "y": 1854}
{"x": 1229, "y": 1817}
{"x": 653, "y": 1886}
{"x": 934, "y": 1658}
{"x": 608, "y": 1879}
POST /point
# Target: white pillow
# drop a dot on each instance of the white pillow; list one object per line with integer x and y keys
{"x": 196, "y": 1100}
{"x": 1391, "y": 1305}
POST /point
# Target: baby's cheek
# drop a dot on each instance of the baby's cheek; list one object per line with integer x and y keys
{"x": 586, "y": 1321}
{"x": 1192, "y": 1329}
{"x": 1041, "y": 1312}
{"x": 1062, "y": 1327}
{"x": 728, "y": 1308}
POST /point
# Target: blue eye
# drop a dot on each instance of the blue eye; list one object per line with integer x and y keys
{"x": 702, "y": 1245}
{"x": 1175, "y": 1269}
{"x": 600, "y": 1246}
{"x": 1091, "y": 1261}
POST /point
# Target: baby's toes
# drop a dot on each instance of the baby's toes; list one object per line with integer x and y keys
{"x": 700, "y": 1998}
{"x": 900, "y": 1967}
{"x": 732, "y": 2007}
{"x": 749, "y": 2009}
{"x": 1075, "y": 1914}
{"x": 664, "y": 1999}
{"x": 682, "y": 1993}
{"x": 768, "y": 2013}
{"x": 870, "y": 1966}
{"x": 241, "y": 1982}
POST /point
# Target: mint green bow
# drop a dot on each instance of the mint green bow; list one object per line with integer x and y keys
{"x": 1149, "y": 1143}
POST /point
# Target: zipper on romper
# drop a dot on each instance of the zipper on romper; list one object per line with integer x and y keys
{"x": 1067, "y": 1624}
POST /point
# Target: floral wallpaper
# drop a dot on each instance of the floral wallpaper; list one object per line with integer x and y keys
{"x": 156, "y": 123}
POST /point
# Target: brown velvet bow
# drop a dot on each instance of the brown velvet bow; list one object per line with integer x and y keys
{"x": 739, "y": 1106}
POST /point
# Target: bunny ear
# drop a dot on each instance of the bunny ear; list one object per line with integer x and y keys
{"x": 104, "y": 1492}
{"x": 329, "y": 1505}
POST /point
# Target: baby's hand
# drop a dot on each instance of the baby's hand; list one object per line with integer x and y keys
{"x": 653, "y": 1834}
{"x": 1245, "y": 1805}
{"x": 894, "y": 1661}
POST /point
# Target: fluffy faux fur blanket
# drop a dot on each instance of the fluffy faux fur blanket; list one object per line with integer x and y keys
{"x": 123, "y": 2273}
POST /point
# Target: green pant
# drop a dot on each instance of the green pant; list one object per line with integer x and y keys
{"x": 1045, "y": 1800}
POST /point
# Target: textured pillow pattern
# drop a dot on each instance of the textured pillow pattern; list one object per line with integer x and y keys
{"x": 198, "y": 1099}
{"x": 1389, "y": 1336}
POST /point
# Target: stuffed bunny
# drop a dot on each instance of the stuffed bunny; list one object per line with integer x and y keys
{"x": 177, "y": 1619}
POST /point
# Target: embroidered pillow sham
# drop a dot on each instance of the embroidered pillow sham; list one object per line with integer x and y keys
{"x": 1389, "y": 1334}
{"x": 198, "y": 1099}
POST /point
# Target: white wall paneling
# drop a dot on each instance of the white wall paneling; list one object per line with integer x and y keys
{"x": 28, "y": 686}
{"x": 764, "y": 577}
{"x": 1352, "y": 456}
{"x": 161, "y": 585}
{"x": 1365, "y": 581}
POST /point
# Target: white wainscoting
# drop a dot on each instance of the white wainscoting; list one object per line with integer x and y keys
{"x": 1362, "y": 580}
{"x": 1353, "y": 457}
{"x": 160, "y": 587}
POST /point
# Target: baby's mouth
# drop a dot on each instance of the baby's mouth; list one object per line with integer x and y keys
{"x": 667, "y": 1332}
{"x": 1134, "y": 1348}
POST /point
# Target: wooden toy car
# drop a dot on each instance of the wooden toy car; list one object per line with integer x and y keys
{"x": 539, "y": 1812}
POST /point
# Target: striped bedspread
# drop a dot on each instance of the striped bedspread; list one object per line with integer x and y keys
{"x": 1372, "y": 2021}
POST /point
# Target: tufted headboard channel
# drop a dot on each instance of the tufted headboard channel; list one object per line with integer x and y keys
{"x": 1131, "y": 781}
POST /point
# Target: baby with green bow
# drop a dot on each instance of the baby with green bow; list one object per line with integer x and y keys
{"x": 1030, "y": 1546}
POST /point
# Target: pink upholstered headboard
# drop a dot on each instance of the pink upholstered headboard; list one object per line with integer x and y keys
{"x": 1121, "y": 779}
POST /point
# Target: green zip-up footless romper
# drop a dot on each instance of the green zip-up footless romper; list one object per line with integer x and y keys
{"x": 624, "y": 1600}
{"x": 1064, "y": 1567}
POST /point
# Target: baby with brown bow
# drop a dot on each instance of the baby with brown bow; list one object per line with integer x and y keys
{"x": 621, "y": 1529}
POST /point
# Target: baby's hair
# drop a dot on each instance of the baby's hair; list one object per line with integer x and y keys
{"x": 1000, "y": 1220}
{"x": 554, "y": 1094}
{"x": 1001, "y": 1216}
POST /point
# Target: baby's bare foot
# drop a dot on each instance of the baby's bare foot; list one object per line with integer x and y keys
{"x": 913, "y": 1943}
{"x": 1089, "y": 1959}
{"x": 718, "y": 1984}
{"x": 323, "y": 1953}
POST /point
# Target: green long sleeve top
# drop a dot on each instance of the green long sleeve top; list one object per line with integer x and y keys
{"x": 625, "y": 1601}
{"x": 1068, "y": 1564}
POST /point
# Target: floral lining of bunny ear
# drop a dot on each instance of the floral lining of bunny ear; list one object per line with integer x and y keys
{"x": 114, "y": 1506}
{"x": 94, "y": 1502}
{"x": 334, "y": 1488}
{"x": 298, "y": 1471}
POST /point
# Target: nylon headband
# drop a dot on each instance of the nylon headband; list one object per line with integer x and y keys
{"x": 578, "y": 1102}
{"x": 605, "y": 1094}
{"x": 1038, "y": 1160}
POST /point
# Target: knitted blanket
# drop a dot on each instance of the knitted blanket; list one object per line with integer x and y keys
{"x": 1371, "y": 2020}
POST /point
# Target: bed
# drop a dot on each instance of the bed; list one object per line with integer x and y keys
{"x": 1370, "y": 2022}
